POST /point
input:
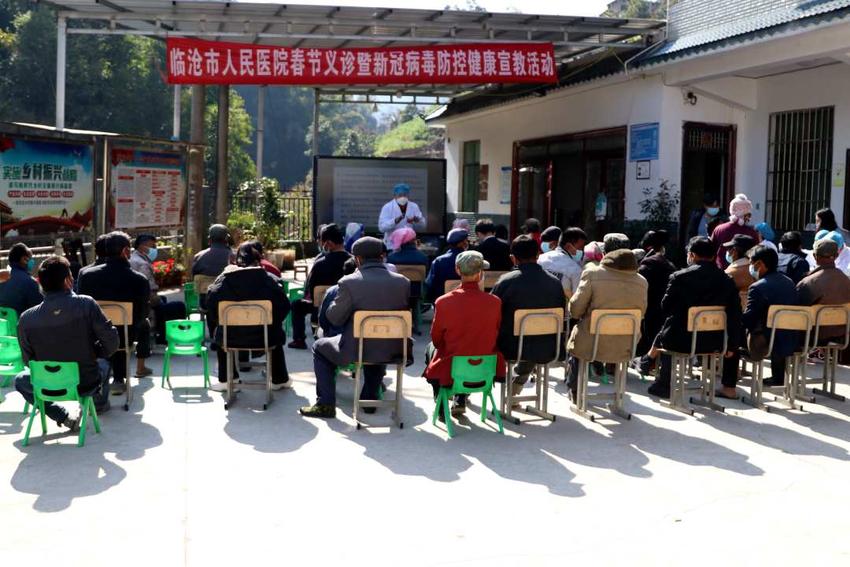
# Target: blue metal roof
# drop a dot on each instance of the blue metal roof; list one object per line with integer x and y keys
{"x": 766, "y": 23}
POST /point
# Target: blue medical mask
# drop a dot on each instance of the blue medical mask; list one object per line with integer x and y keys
{"x": 30, "y": 265}
{"x": 754, "y": 273}
{"x": 713, "y": 211}
{"x": 729, "y": 258}
{"x": 545, "y": 246}
{"x": 579, "y": 256}
{"x": 152, "y": 253}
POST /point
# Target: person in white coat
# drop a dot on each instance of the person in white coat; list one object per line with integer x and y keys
{"x": 400, "y": 213}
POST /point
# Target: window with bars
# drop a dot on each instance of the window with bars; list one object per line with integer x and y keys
{"x": 471, "y": 173}
{"x": 799, "y": 168}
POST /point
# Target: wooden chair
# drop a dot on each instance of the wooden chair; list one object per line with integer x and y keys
{"x": 608, "y": 322}
{"x": 381, "y": 325}
{"x": 784, "y": 318}
{"x": 830, "y": 316}
{"x": 319, "y": 292}
{"x": 300, "y": 267}
{"x": 251, "y": 313}
{"x": 416, "y": 274}
{"x": 529, "y": 323}
{"x": 120, "y": 314}
{"x": 490, "y": 278}
{"x": 701, "y": 319}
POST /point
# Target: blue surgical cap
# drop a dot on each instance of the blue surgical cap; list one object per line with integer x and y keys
{"x": 401, "y": 188}
{"x": 765, "y": 230}
{"x": 836, "y": 237}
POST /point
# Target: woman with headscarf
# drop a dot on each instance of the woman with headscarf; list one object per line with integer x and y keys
{"x": 740, "y": 215}
{"x": 400, "y": 212}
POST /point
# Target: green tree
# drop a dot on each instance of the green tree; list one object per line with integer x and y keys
{"x": 241, "y": 167}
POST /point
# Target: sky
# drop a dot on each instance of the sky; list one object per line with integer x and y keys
{"x": 562, "y": 7}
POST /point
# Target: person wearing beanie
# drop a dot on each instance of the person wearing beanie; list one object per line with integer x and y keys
{"x": 247, "y": 281}
{"x": 740, "y": 215}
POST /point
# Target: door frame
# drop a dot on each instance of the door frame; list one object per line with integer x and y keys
{"x": 731, "y": 152}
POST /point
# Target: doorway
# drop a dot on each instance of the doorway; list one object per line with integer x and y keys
{"x": 708, "y": 168}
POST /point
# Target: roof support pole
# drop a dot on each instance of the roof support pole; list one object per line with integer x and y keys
{"x": 223, "y": 136}
{"x": 61, "y": 39}
{"x": 315, "y": 122}
{"x": 195, "y": 208}
{"x": 261, "y": 119}
{"x": 175, "y": 118}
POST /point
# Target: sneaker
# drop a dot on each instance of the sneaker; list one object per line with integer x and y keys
{"x": 100, "y": 410}
{"x": 117, "y": 388}
{"x": 222, "y": 386}
{"x": 72, "y": 424}
{"x": 318, "y": 410}
{"x": 299, "y": 344}
{"x": 458, "y": 408}
{"x": 281, "y": 385}
{"x": 145, "y": 371}
{"x": 658, "y": 390}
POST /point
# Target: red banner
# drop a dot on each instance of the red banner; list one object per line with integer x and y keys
{"x": 193, "y": 61}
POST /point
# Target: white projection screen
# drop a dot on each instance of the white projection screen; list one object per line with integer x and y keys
{"x": 353, "y": 189}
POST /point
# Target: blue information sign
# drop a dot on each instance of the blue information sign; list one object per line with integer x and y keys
{"x": 643, "y": 142}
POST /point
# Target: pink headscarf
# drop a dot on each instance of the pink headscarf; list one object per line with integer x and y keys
{"x": 401, "y": 236}
{"x": 593, "y": 252}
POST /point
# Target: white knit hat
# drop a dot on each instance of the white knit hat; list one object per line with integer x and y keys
{"x": 739, "y": 207}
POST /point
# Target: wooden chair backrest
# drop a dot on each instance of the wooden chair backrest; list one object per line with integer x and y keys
{"x": 706, "y": 318}
{"x": 120, "y": 313}
{"x": 490, "y": 278}
{"x": 415, "y": 273}
{"x": 202, "y": 283}
{"x": 382, "y": 324}
{"x": 245, "y": 313}
{"x": 319, "y": 294}
{"x": 614, "y": 321}
{"x": 831, "y": 315}
{"x": 538, "y": 321}
{"x": 789, "y": 317}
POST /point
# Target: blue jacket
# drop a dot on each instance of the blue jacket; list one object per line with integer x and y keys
{"x": 442, "y": 270}
{"x": 772, "y": 289}
{"x": 408, "y": 255}
{"x": 21, "y": 291}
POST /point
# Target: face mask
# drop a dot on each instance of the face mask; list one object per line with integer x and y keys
{"x": 579, "y": 256}
{"x": 402, "y": 201}
{"x": 729, "y": 258}
{"x": 545, "y": 246}
{"x": 152, "y": 254}
{"x": 713, "y": 211}
{"x": 30, "y": 264}
{"x": 754, "y": 273}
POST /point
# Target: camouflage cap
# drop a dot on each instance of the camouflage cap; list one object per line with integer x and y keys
{"x": 470, "y": 263}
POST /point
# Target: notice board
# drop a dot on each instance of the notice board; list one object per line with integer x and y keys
{"x": 148, "y": 188}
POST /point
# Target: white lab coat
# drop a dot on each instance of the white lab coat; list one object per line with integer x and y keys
{"x": 391, "y": 211}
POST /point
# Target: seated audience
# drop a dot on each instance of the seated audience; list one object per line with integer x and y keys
{"x": 529, "y": 286}
{"x": 353, "y": 231}
{"x": 592, "y": 254}
{"x": 466, "y": 323}
{"x": 327, "y": 329}
{"x": 792, "y": 259}
{"x": 616, "y": 284}
{"x": 827, "y": 285}
{"x": 770, "y": 288}
{"x": 702, "y": 283}
{"x": 67, "y": 328}
{"x": 405, "y": 252}
{"x": 115, "y": 280}
{"x": 248, "y": 281}
{"x": 141, "y": 260}
{"x": 496, "y": 252}
{"x": 502, "y": 234}
{"x": 371, "y": 287}
{"x": 738, "y": 267}
{"x": 531, "y": 227}
{"x": 656, "y": 269}
{"x": 549, "y": 239}
{"x": 213, "y": 260}
{"x": 21, "y": 291}
{"x": 740, "y": 215}
{"x": 766, "y": 235}
{"x": 842, "y": 262}
{"x": 265, "y": 264}
{"x": 565, "y": 261}
{"x": 443, "y": 267}
{"x": 326, "y": 271}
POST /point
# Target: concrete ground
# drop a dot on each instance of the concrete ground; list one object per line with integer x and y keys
{"x": 178, "y": 480}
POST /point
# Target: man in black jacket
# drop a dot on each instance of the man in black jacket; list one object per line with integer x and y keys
{"x": 496, "y": 252}
{"x": 792, "y": 259}
{"x": 656, "y": 270}
{"x": 249, "y": 281}
{"x": 115, "y": 280}
{"x": 701, "y": 283}
{"x": 527, "y": 287}
{"x": 66, "y": 328}
{"x": 326, "y": 271}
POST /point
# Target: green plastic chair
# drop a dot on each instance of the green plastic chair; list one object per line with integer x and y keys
{"x": 185, "y": 338}
{"x": 294, "y": 292}
{"x": 11, "y": 359}
{"x": 470, "y": 375}
{"x": 11, "y": 317}
{"x": 191, "y": 299}
{"x": 58, "y": 382}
